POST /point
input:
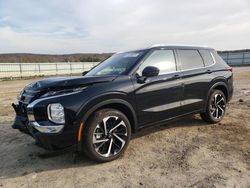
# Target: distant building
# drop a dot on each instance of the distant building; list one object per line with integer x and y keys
{"x": 236, "y": 57}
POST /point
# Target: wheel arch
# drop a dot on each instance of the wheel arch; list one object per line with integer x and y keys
{"x": 118, "y": 104}
{"x": 222, "y": 86}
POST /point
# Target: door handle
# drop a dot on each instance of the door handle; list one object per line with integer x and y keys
{"x": 209, "y": 71}
{"x": 176, "y": 76}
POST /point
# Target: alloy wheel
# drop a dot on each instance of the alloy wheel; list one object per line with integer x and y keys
{"x": 217, "y": 106}
{"x": 110, "y": 136}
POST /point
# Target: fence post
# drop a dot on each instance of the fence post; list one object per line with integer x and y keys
{"x": 39, "y": 69}
{"x": 56, "y": 69}
{"x": 227, "y": 57}
{"x": 243, "y": 58}
{"x": 20, "y": 67}
{"x": 70, "y": 69}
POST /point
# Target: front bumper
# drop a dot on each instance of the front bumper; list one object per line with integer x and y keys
{"x": 45, "y": 128}
{"x": 54, "y": 140}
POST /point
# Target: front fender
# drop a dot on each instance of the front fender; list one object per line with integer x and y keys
{"x": 102, "y": 100}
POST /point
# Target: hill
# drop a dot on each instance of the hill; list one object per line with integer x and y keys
{"x": 35, "y": 58}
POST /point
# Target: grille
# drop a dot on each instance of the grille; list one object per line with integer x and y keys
{"x": 22, "y": 109}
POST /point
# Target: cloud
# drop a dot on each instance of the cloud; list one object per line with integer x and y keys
{"x": 4, "y": 19}
{"x": 15, "y": 42}
{"x": 60, "y": 26}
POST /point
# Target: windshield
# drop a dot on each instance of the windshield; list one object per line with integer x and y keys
{"x": 118, "y": 64}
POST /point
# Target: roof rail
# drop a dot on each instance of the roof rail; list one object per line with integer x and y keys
{"x": 159, "y": 45}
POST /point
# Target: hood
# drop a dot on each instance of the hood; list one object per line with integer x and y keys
{"x": 36, "y": 89}
{"x": 67, "y": 82}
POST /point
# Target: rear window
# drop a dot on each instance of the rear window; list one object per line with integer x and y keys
{"x": 207, "y": 57}
{"x": 190, "y": 59}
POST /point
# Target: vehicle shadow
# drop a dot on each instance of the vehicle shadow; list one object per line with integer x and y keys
{"x": 22, "y": 157}
{"x": 186, "y": 121}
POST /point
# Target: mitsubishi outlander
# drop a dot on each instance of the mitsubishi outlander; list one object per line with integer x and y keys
{"x": 98, "y": 112}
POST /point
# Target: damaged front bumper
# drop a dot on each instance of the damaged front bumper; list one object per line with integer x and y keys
{"x": 21, "y": 121}
{"x": 48, "y": 137}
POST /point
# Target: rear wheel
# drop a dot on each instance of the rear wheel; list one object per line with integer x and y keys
{"x": 107, "y": 136}
{"x": 216, "y": 107}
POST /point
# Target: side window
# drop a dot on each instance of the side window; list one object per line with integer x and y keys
{"x": 207, "y": 57}
{"x": 190, "y": 59}
{"x": 162, "y": 59}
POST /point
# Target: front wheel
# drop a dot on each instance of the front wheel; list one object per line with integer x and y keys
{"x": 216, "y": 107}
{"x": 107, "y": 135}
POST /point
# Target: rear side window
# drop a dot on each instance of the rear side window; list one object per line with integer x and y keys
{"x": 207, "y": 57}
{"x": 162, "y": 59}
{"x": 190, "y": 59}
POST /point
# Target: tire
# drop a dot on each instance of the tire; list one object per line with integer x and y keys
{"x": 215, "y": 107}
{"x": 106, "y": 144}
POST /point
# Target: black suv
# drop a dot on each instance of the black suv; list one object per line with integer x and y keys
{"x": 97, "y": 112}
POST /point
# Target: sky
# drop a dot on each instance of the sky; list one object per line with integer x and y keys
{"x": 78, "y": 26}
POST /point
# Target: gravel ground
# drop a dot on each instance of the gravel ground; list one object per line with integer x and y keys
{"x": 183, "y": 153}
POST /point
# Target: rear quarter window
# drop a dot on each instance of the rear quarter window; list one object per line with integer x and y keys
{"x": 190, "y": 59}
{"x": 207, "y": 57}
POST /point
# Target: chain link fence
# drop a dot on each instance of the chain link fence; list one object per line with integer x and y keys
{"x": 22, "y": 70}
{"x": 236, "y": 58}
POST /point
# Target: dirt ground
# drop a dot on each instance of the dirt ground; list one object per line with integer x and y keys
{"x": 184, "y": 153}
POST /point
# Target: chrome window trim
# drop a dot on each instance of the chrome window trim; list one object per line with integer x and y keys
{"x": 200, "y": 67}
{"x": 150, "y": 53}
{"x": 177, "y": 61}
{"x": 212, "y": 57}
{"x": 179, "y": 71}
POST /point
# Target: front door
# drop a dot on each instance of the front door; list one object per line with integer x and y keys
{"x": 158, "y": 97}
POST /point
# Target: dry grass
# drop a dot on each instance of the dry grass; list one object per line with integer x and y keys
{"x": 184, "y": 153}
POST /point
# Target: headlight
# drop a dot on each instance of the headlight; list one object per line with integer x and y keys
{"x": 56, "y": 113}
{"x": 64, "y": 91}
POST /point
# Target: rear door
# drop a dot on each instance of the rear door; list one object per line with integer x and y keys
{"x": 197, "y": 74}
{"x": 158, "y": 98}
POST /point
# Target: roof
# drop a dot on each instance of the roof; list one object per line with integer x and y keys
{"x": 180, "y": 46}
{"x": 156, "y": 46}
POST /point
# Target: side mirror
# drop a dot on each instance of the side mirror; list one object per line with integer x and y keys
{"x": 150, "y": 71}
{"x": 85, "y": 72}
